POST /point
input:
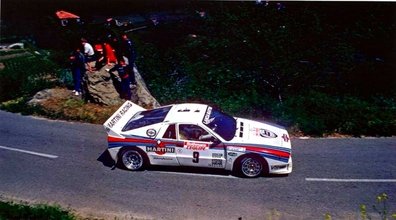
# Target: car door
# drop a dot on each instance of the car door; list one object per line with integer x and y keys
{"x": 163, "y": 152}
{"x": 198, "y": 147}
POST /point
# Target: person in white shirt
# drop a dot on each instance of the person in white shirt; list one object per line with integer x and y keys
{"x": 88, "y": 52}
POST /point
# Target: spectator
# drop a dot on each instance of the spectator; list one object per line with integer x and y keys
{"x": 77, "y": 60}
{"x": 128, "y": 50}
{"x": 115, "y": 44}
{"x": 109, "y": 53}
{"x": 122, "y": 69}
{"x": 100, "y": 56}
{"x": 89, "y": 52}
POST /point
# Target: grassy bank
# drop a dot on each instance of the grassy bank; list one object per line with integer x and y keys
{"x": 10, "y": 211}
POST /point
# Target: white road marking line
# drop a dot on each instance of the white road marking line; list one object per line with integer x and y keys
{"x": 29, "y": 152}
{"x": 352, "y": 180}
{"x": 197, "y": 174}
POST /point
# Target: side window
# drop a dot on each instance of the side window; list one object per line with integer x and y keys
{"x": 170, "y": 133}
{"x": 194, "y": 133}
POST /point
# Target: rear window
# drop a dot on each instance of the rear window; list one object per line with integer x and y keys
{"x": 145, "y": 118}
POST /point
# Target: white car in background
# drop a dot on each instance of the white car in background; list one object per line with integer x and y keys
{"x": 196, "y": 135}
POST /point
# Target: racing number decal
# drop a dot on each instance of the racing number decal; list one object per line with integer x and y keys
{"x": 195, "y": 157}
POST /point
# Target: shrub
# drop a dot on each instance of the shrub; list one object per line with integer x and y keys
{"x": 20, "y": 211}
{"x": 25, "y": 75}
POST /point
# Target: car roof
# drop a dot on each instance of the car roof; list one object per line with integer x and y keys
{"x": 186, "y": 112}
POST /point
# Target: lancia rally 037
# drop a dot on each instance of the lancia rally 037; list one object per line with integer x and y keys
{"x": 196, "y": 135}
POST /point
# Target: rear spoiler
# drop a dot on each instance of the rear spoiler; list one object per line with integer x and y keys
{"x": 117, "y": 121}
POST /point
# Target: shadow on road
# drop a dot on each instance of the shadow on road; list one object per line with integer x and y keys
{"x": 194, "y": 170}
{"x": 106, "y": 159}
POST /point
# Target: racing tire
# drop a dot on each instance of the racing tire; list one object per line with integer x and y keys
{"x": 132, "y": 159}
{"x": 250, "y": 166}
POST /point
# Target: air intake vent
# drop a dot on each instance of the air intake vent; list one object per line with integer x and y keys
{"x": 241, "y": 130}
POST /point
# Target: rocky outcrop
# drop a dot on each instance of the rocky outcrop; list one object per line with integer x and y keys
{"x": 100, "y": 87}
{"x": 47, "y": 94}
{"x": 142, "y": 94}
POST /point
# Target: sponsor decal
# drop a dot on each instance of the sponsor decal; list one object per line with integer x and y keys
{"x": 285, "y": 138}
{"x": 239, "y": 149}
{"x": 151, "y": 132}
{"x": 114, "y": 121}
{"x": 216, "y": 163}
{"x": 195, "y": 146}
{"x": 232, "y": 154}
{"x": 264, "y": 133}
{"x": 160, "y": 150}
{"x": 207, "y": 116}
{"x": 162, "y": 158}
{"x": 267, "y": 134}
{"x": 119, "y": 115}
{"x": 217, "y": 155}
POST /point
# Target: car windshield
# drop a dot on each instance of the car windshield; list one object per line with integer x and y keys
{"x": 221, "y": 123}
{"x": 145, "y": 118}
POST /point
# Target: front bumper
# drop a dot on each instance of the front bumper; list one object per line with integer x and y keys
{"x": 282, "y": 168}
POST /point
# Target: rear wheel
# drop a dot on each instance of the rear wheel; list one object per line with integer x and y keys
{"x": 132, "y": 159}
{"x": 250, "y": 166}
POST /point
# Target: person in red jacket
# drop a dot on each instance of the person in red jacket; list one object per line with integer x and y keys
{"x": 109, "y": 53}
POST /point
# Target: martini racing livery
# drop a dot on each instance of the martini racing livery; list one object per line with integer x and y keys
{"x": 196, "y": 135}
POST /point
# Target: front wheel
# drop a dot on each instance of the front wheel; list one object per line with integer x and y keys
{"x": 250, "y": 166}
{"x": 132, "y": 159}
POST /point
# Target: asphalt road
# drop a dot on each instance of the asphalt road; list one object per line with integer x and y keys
{"x": 43, "y": 161}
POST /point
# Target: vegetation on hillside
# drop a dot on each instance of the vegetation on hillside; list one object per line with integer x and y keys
{"x": 318, "y": 68}
{"x": 295, "y": 64}
{"x": 10, "y": 210}
{"x": 25, "y": 72}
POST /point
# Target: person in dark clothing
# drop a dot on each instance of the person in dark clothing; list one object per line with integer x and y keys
{"x": 77, "y": 61}
{"x": 122, "y": 69}
{"x": 128, "y": 50}
{"x": 100, "y": 56}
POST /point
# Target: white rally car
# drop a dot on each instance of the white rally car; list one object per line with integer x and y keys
{"x": 196, "y": 135}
